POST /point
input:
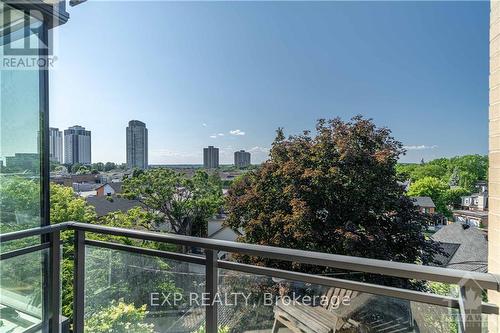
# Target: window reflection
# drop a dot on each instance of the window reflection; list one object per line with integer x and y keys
{"x": 19, "y": 134}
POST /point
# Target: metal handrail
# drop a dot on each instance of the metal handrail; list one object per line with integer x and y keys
{"x": 15, "y": 235}
{"x": 488, "y": 281}
{"x": 370, "y": 288}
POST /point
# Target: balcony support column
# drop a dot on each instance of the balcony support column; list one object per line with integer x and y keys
{"x": 470, "y": 308}
{"x": 212, "y": 277}
{"x": 79, "y": 282}
{"x": 55, "y": 282}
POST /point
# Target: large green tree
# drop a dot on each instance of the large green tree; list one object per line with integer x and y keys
{"x": 134, "y": 276}
{"x": 99, "y": 166}
{"x": 472, "y": 168}
{"x": 109, "y": 166}
{"x": 336, "y": 192}
{"x": 453, "y": 196}
{"x": 430, "y": 187}
{"x": 67, "y": 206}
{"x": 185, "y": 203}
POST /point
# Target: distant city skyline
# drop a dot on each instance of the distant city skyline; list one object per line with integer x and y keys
{"x": 70, "y": 129}
{"x": 230, "y": 73}
{"x": 77, "y": 148}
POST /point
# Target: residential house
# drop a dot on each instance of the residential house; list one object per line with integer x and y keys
{"x": 474, "y": 208}
{"x": 108, "y": 204}
{"x": 104, "y": 190}
{"x": 482, "y": 186}
{"x": 425, "y": 204}
{"x": 217, "y": 230}
{"x": 475, "y": 201}
{"x": 108, "y": 189}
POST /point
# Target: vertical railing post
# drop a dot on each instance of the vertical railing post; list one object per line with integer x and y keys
{"x": 211, "y": 275}
{"x": 55, "y": 282}
{"x": 470, "y": 307}
{"x": 79, "y": 282}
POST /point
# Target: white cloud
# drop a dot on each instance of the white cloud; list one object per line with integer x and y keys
{"x": 204, "y": 125}
{"x": 258, "y": 149}
{"x": 236, "y": 132}
{"x": 216, "y": 135}
{"x": 419, "y": 147}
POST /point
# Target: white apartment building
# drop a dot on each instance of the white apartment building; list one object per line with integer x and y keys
{"x": 77, "y": 145}
{"x": 56, "y": 145}
{"x": 137, "y": 145}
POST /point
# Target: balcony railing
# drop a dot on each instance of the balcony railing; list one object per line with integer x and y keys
{"x": 371, "y": 307}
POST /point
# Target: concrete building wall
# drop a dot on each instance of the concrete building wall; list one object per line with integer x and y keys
{"x": 56, "y": 145}
{"x": 494, "y": 155}
{"x": 68, "y": 150}
{"x": 137, "y": 145}
{"x": 105, "y": 190}
{"x": 77, "y": 145}
{"x": 211, "y": 157}
{"x": 84, "y": 150}
{"x": 242, "y": 159}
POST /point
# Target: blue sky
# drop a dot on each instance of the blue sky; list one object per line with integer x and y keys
{"x": 229, "y": 73}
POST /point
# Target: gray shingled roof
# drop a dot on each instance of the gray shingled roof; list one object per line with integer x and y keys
{"x": 117, "y": 186}
{"x": 104, "y": 205}
{"x": 449, "y": 250}
{"x": 468, "y": 248}
{"x": 423, "y": 202}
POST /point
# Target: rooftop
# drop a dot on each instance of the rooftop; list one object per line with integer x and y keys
{"x": 466, "y": 247}
{"x": 423, "y": 202}
{"x": 107, "y": 204}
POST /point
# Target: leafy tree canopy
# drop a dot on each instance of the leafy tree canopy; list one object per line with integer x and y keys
{"x": 430, "y": 187}
{"x": 185, "y": 203}
{"x": 109, "y": 166}
{"x": 464, "y": 171}
{"x": 336, "y": 192}
{"x": 119, "y": 317}
{"x": 453, "y": 196}
{"x": 99, "y": 166}
{"x": 66, "y": 206}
